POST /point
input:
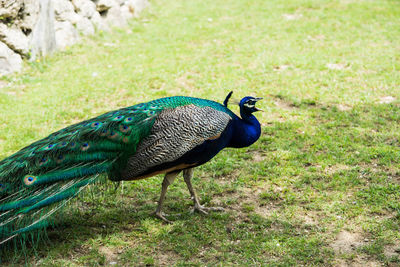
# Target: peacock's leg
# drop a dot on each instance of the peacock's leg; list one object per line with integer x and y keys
{"x": 168, "y": 179}
{"x": 187, "y": 176}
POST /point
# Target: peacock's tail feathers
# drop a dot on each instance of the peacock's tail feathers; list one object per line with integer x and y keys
{"x": 39, "y": 179}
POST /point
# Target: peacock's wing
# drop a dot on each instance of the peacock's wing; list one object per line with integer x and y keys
{"x": 175, "y": 132}
{"x": 40, "y": 178}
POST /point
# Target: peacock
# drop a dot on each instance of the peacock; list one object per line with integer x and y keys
{"x": 164, "y": 136}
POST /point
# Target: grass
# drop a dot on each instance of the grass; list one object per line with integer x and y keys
{"x": 320, "y": 188}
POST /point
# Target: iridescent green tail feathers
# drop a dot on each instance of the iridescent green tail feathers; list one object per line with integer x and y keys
{"x": 39, "y": 179}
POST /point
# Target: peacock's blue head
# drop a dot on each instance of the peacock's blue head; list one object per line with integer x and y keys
{"x": 248, "y": 105}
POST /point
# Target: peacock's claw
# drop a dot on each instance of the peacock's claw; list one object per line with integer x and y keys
{"x": 205, "y": 210}
{"x": 161, "y": 215}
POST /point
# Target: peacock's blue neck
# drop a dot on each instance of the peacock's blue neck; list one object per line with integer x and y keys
{"x": 246, "y": 130}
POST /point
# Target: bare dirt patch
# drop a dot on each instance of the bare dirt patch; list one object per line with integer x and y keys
{"x": 110, "y": 255}
{"x": 386, "y": 99}
{"x": 392, "y": 250}
{"x": 266, "y": 210}
{"x": 346, "y": 242}
{"x": 281, "y": 67}
{"x": 283, "y": 105}
{"x": 343, "y": 107}
{"x": 336, "y": 168}
{"x": 165, "y": 257}
{"x": 334, "y": 66}
{"x": 292, "y": 16}
{"x": 357, "y": 262}
{"x": 258, "y": 156}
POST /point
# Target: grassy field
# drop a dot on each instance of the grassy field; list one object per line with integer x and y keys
{"x": 320, "y": 188}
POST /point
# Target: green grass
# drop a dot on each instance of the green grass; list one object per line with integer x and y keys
{"x": 322, "y": 185}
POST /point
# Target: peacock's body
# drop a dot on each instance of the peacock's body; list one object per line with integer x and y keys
{"x": 166, "y": 135}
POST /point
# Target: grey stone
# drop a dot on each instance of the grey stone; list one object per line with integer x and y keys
{"x": 45, "y": 25}
{"x": 9, "y": 60}
{"x": 104, "y": 5}
{"x": 66, "y": 34}
{"x": 115, "y": 17}
{"x": 10, "y": 8}
{"x": 85, "y": 8}
{"x": 136, "y": 6}
{"x": 30, "y": 15}
{"x": 64, "y": 11}
{"x": 15, "y": 39}
{"x": 126, "y": 12}
{"x": 120, "y": 2}
{"x": 43, "y": 40}
{"x": 85, "y": 26}
{"x": 99, "y": 22}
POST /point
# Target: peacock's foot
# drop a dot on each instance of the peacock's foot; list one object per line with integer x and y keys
{"x": 205, "y": 210}
{"x": 161, "y": 215}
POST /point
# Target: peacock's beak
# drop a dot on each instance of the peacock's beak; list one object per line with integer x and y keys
{"x": 258, "y": 99}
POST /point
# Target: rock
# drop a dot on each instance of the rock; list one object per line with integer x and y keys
{"x": 85, "y": 26}
{"x": 43, "y": 40}
{"x": 9, "y": 61}
{"x": 9, "y": 8}
{"x": 104, "y": 5}
{"x": 85, "y": 8}
{"x": 115, "y": 17}
{"x": 66, "y": 34}
{"x": 126, "y": 12}
{"x": 99, "y": 23}
{"x": 15, "y": 39}
{"x": 120, "y": 2}
{"x": 30, "y": 15}
{"x": 44, "y": 25}
{"x": 64, "y": 11}
{"x": 136, "y": 6}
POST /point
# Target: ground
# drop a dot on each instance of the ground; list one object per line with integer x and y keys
{"x": 320, "y": 188}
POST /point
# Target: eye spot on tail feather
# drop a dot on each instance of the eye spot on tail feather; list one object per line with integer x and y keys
{"x": 129, "y": 119}
{"x": 60, "y": 158}
{"x": 43, "y": 161}
{"x": 95, "y": 124}
{"x": 124, "y": 128}
{"x": 104, "y": 132}
{"x": 29, "y": 179}
{"x": 85, "y": 146}
{"x": 113, "y": 135}
{"x": 118, "y": 118}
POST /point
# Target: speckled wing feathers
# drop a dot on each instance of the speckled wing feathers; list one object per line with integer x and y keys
{"x": 175, "y": 132}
